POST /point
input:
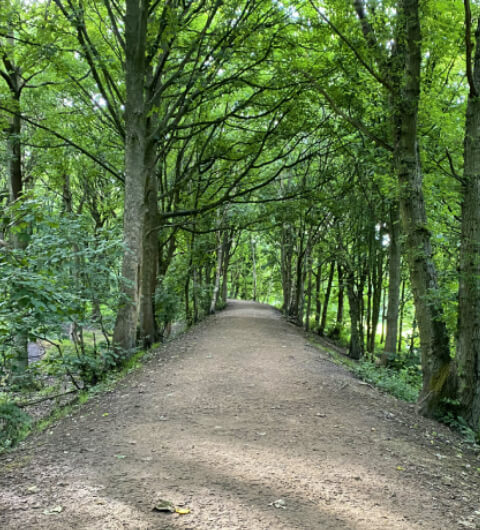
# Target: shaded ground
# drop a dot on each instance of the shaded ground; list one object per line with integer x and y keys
{"x": 236, "y": 414}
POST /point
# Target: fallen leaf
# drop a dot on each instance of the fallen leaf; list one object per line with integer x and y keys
{"x": 400, "y": 468}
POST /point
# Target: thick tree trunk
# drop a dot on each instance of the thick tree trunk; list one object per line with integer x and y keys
{"x": 19, "y": 238}
{"x": 394, "y": 279}
{"x": 433, "y": 333}
{"x": 136, "y": 148}
{"x": 148, "y": 329}
{"x": 468, "y": 342}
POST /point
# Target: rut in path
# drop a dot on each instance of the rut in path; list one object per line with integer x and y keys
{"x": 238, "y": 413}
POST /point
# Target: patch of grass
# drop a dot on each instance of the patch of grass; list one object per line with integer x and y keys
{"x": 400, "y": 383}
{"x": 394, "y": 382}
{"x": 61, "y": 412}
{"x": 457, "y": 423}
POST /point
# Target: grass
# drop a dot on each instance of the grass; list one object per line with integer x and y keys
{"x": 404, "y": 384}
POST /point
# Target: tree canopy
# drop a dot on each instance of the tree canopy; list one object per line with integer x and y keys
{"x": 323, "y": 156}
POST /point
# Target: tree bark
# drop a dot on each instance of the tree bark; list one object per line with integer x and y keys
{"x": 394, "y": 279}
{"x": 356, "y": 343}
{"x": 254, "y": 270}
{"x": 136, "y": 148}
{"x": 227, "y": 254}
{"x": 400, "y": 324}
{"x": 148, "y": 329}
{"x": 286, "y": 266}
{"x": 218, "y": 272}
{"x": 16, "y": 185}
{"x": 433, "y": 332}
{"x": 309, "y": 295}
{"x": 318, "y": 303}
{"x": 468, "y": 341}
{"x": 323, "y": 322}
{"x": 340, "y": 297}
{"x": 376, "y": 299}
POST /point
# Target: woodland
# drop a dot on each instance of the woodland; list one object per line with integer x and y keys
{"x": 160, "y": 156}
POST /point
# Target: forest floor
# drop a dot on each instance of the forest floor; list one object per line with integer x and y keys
{"x": 242, "y": 421}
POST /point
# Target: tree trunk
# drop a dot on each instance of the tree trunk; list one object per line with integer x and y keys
{"x": 376, "y": 299}
{"x": 400, "y": 325}
{"x": 136, "y": 148}
{"x": 394, "y": 279}
{"x": 356, "y": 344}
{"x": 326, "y": 300}
{"x": 341, "y": 290}
{"x": 318, "y": 303}
{"x": 468, "y": 342}
{"x": 148, "y": 330}
{"x": 433, "y": 332}
{"x": 309, "y": 294}
{"x": 286, "y": 266}
{"x": 254, "y": 270}
{"x": 368, "y": 319}
{"x": 384, "y": 312}
{"x": 298, "y": 298}
{"x": 227, "y": 244}
{"x": 195, "y": 293}
{"x": 218, "y": 273}
{"x": 15, "y": 184}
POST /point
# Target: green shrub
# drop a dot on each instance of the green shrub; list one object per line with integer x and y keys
{"x": 402, "y": 384}
{"x": 14, "y": 425}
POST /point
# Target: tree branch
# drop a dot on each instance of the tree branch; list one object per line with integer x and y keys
{"x": 469, "y": 48}
{"x": 105, "y": 166}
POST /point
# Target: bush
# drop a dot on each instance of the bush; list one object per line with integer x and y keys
{"x": 14, "y": 425}
{"x": 402, "y": 384}
{"x": 61, "y": 281}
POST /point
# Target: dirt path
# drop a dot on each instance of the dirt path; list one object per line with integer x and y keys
{"x": 236, "y": 414}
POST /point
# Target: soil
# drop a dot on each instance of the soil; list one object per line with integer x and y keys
{"x": 242, "y": 421}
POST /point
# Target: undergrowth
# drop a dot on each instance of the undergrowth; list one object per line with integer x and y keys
{"x": 403, "y": 383}
{"x": 16, "y": 424}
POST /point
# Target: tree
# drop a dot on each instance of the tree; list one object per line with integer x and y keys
{"x": 468, "y": 342}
